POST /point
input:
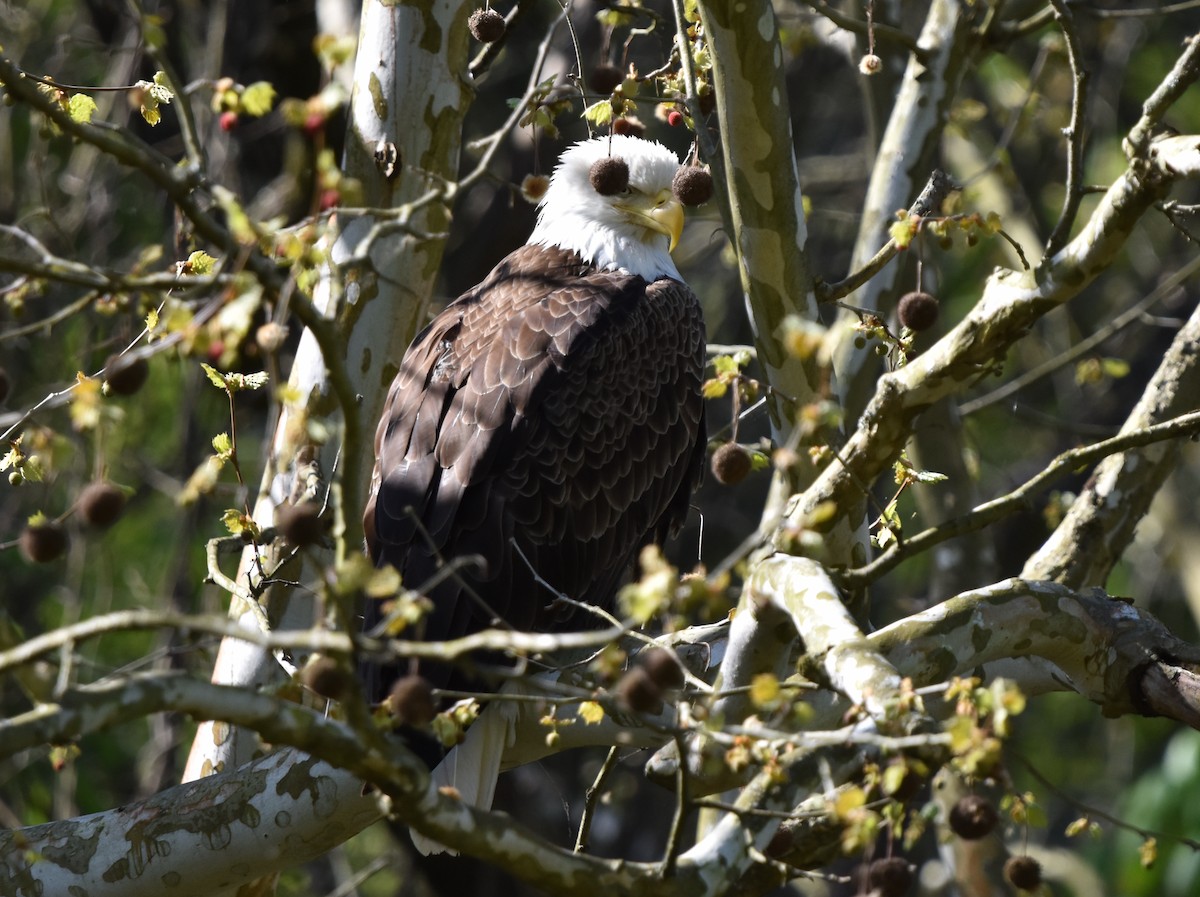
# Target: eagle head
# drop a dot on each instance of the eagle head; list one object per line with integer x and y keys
{"x": 632, "y": 231}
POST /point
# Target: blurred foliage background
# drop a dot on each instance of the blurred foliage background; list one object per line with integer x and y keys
{"x": 1004, "y": 143}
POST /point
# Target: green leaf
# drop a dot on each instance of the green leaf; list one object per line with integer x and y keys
{"x": 1115, "y": 367}
{"x": 599, "y": 114}
{"x": 902, "y": 232}
{"x": 216, "y": 377}
{"x": 200, "y": 263}
{"x": 764, "y": 691}
{"x": 727, "y": 364}
{"x": 239, "y": 523}
{"x": 222, "y": 445}
{"x": 258, "y": 98}
{"x": 81, "y": 108}
{"x": 240, "y": 382}
{"x": 591, "y": 712}
{"x": 149, "y": 94}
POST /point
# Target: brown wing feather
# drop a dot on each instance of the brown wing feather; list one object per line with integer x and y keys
{"x": 553, "y": 408}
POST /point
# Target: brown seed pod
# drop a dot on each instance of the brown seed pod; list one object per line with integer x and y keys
{"x": 889, "y": 876}
{"x": 730, "y": 464}
{"x": 605, "y": 78}
{"x": 301, "y": 523}
{"x": 43, "y": 542}
{"x": 101, "y": 504}
{"x": 534, "y": 187}
{"x": 917, "y": 310}
{"x": 972, "y": 817}
{"x": 270, "y": 336}
{"x": 630, "y": 126}
{"x": 125, "y": 375}
{"x": 411, "y": 701}
{"x": 639, "y": 692}
{"x": 609, "y": 176}
{"x": 692, "y": 186}
{"x": 1023, "y": 872}
{"x": 487, "y": 25}
{"x": 327, "y": 677}
{"x": 661, "y": 667}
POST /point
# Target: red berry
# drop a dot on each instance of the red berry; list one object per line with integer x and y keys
{"x": 228, "y": 121}
{"x": 674, "y": 118}
{"x": 313, "y": 123}
{"x": 330, "y": 199}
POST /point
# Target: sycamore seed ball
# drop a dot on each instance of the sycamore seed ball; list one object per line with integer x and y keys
{"x": 534, "y": 187}
{"x": 101, "y": 504}
{"x": 1023, "y": 872}
{"x": 639, "y": 692}
{"x": 870, "y": 64}
{"x": 917, "y": 310}
{"x": 327, "y": 677}
{"x": 630, "y": 125}
{"x": 270, "y": 336}
{"x": 124, "y": 375}
{"x": 692, "y": 186}
{"x": 889, "y": 877}
{"x": 605, "y": 78}
{"x": 609, "y": 176}
{"x": 411, "y": 701}
{"x": 487, "y": 25}
{"x": 301, "y": 523}
{"x": 730, "y": 464}
{"x": 972, "y": 817}
{"x": 661, "y": 667}
{"x": 43, "y": 542}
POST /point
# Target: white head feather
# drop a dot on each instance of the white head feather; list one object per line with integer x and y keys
{"x": 573, "y": 216}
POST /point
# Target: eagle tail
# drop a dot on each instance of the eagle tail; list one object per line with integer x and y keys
{"x": 472, "y": 767}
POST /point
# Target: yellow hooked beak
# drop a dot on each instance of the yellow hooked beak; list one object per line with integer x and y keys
{"x": 661, "y": 213}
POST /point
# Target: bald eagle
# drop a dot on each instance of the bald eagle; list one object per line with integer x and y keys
{"x": 548, "y": 423}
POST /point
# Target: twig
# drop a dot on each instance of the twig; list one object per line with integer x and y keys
{"x": 993, "y": 510}
{"x": 592, "y": 798}
{"x": 855, "y": 26}
{"x": 671, "y": 855}
{"x": 1117, "y": 324}
{"x": 927, "y": 203}
{"x": 1144, "y": 833}
{"x": 1171, "y": 88}
{"x": 1073, "y": 131}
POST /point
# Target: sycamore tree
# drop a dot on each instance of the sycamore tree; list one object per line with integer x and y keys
{"x": 943, "y": 567}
